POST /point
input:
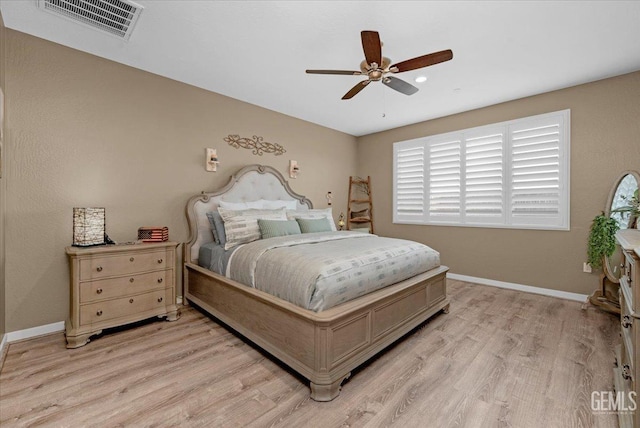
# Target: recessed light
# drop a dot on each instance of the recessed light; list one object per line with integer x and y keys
{"x": 421, "y": 79}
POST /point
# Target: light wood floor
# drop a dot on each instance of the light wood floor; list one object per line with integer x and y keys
{"x": 499, "y": 358}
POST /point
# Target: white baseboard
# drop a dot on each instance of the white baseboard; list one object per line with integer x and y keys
{"x": 28, "y": 333}
{"x": 519, "y": 287}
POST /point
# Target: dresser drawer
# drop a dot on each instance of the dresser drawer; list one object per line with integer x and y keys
{"x": 629, "y": 273}
{"x": 628, "y": 329}
{"x": 122, "y": 264}
{"x": 109, "y": 309}
{"x": 92, "y": 291}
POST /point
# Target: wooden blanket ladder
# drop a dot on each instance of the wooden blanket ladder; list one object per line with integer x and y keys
{"x": 360, "y": 206}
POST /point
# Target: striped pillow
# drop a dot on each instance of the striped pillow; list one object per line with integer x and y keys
{"x": 273, "y": 228}
{"x": 241, "y": 226}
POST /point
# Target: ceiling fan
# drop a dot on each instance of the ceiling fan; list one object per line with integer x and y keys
{"x": 377, "y": 68}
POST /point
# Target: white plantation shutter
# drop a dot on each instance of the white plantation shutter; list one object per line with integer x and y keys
{"x": 409, "y": 203}
{"x": 444, "y": 165}
{"x": 537, "y": 179}
{"x": 484, "y": 176}
{"x": 511, "y": 174}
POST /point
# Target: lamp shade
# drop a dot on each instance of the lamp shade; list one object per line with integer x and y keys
{"x": 88, "y": 227}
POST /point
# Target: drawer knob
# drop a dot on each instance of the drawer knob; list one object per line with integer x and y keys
{"x": 99, "y": 291}
{"x": 626, "y": 321}
{"x": 160, "y": 280}
{"x": 99, "y": 313}
{"x": 131, "y": 259}
{"x": 160, "y": 260}
{"x": 159, "y": 299}
{"x": 99, "y": 268}
{"x": 131, "y": 279}
{"x": 130, "y": 300}
{"x": 625, "y": 372}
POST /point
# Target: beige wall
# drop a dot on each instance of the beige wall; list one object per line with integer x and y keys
{"x": 85, "y": 131}
{"x": 605, "y": 140}
{"x": 2, "y": 194}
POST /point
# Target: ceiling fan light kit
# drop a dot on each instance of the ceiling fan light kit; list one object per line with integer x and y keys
{"x": 377, "y": 67}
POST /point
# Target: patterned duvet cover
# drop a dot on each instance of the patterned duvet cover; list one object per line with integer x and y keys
{"x": 317, "y": 271}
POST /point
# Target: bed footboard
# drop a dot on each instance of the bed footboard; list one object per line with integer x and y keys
{"x": 323, "y": 347}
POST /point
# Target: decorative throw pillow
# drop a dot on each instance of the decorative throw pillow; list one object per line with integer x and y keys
{"x": 313, "y": 214}
{"x": 273, "y": 228}
{"x": 241, "y": 226}
{"x": 217, "y": 227}
{"x": 212, "y": 225}
{"x": 308, "y": 225}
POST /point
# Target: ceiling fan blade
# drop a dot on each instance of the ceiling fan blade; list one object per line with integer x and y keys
{"x": 422, "y": 61}
{"x": 372, "y": 47}
{"x": 399, "y": 85}
{"x": 353, "y": 91}
{"x": 345, "y": 72}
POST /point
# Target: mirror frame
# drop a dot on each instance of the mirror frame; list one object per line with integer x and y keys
{"x": 606, "y": 266}
{"x": 614, "y": 188}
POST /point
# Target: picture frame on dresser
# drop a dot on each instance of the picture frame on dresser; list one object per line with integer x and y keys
{"x": 115, "y": 285}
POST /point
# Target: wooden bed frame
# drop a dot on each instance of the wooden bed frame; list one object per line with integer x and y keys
{"x": 322, "y": 346}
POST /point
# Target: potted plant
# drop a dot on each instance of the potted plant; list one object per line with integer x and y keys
{"x": 602, "y": 242}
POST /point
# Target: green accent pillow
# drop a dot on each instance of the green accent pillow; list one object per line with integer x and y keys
{"x": 273, "y": 228}
{"x": 308, "y": 225}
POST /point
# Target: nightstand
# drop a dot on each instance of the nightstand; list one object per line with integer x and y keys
{"x": 115, "y": 285}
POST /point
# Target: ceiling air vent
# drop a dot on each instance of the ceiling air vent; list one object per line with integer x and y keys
{"x": 116, "y": 17}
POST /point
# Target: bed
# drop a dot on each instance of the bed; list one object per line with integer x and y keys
{"x": 324, "y": 345}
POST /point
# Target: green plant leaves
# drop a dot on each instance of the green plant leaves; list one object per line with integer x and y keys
{"x": 602, "y": 242}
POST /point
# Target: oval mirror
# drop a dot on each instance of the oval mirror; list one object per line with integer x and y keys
{"x": 621, "y": 193}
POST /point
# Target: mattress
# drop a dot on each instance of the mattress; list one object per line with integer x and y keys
{"x": 317, "y": 271}
{"x": 214, "y": 257}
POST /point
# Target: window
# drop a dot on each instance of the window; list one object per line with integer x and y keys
{"x": 512, "y": 174}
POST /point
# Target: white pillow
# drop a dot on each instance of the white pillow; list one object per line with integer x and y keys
{"x": 241, "y": 226}
{"x": 260, "y": 204}
{"x": 280, "y": 203}
{"x": 313, "y": 214}
{"x": 233, "y": 205}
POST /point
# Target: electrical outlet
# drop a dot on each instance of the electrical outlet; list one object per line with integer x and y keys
{"x": 586, "y": 267}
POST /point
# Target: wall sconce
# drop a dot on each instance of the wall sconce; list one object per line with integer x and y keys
{"x": 211, "y": 160}
{"x": 294, "y": 169}
{"x": 341, "y": 222}
{"x": 329, "y": 198}
{"x": 88, "y": 227}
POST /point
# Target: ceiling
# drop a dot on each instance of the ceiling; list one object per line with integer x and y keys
{"x": 257, "y": 51}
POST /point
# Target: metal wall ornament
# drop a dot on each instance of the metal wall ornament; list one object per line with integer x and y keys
{"x": 256, "y": 144}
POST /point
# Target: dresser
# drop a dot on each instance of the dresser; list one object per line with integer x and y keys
{"x": 627, "y": 366}
{"x": 118, "y": 284}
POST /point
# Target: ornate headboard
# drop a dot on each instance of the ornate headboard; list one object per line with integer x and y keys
{"x": 251, "y": 183}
